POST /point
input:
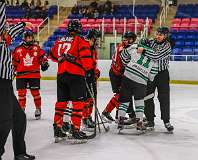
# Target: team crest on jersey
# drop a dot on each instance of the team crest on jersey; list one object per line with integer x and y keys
{"x": 35, "y": 54}
{"x": 19, "y": 50}
{"x": 28, "y": 60}
{"x": 35, "y": 48}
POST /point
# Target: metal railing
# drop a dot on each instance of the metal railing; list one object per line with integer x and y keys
{"x": 164, "y": 12}
{"x": 41, "y": 27}
{"x": 187, "y": 57}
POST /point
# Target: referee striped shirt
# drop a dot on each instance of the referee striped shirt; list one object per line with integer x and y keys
{"x": 162, "y": 51}
{"x": 6, "y": 68}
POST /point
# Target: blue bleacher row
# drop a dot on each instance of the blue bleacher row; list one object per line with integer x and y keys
{"x": 141, "y": 11}
{"x": 18, "y": 12}
{"x": 186, "y": 43}
{"x": 187, "y": 11}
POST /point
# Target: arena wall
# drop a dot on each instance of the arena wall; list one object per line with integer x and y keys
{"x": 180, "y": 72}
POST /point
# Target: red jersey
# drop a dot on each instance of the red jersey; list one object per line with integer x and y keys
{"x": 27, "y": 60}
{"x": 94, "y": 56}
{"x": 77, "y": 55}
{"x": 116, "y": 65}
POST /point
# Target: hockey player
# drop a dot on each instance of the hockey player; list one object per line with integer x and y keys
{"x": 140, "y": 67}
{"x": 116, "y": 75}
{"x": 74, "y": 59}
{"x": 92, "y": 37}
{"x": 161, "y": 82}
{"x": 27, "y": 59}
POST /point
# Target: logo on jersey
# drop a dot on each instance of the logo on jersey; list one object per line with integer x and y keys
{"x": 35, "y": 54}
{"x": 28, "y": 60}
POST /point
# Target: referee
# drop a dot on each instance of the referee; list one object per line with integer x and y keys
{"x": 162, "y": 47}
{"x": 11, "y": 116}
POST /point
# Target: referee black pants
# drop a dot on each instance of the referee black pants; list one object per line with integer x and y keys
{"x": 12, "y": 117}
{"x": 161, "y": 82}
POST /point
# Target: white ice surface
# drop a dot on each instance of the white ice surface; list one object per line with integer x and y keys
{"x": 182, "y": 145}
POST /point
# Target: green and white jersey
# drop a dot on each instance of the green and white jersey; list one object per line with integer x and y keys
{"x": 138, "y": 67}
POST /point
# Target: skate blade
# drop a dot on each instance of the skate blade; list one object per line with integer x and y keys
{"x": 140, "y": 132}
{"x": 120, "y": 130}
{"x": 105, "y": 120}
{"x": 76, "y": 141}
{"x": 57, "y": 139}
{"x": 129, "y": 126}
{"x": 85, "y": 129}
{"x": 150, "y": 129}
{"x": 169, "y": 132}
{"x": 38, "y": 117}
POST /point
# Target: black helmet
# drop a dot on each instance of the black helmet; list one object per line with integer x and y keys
{"x": 93, "y": 33}
{"x": 74, "y": 26}
{"x": 130, "y": 35}
{"x": 163, "y": 30}
{"x": 26, "y": 34}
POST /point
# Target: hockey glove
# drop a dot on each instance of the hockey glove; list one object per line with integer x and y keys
{"x": 90, "y": 76}
{"x": 44, "y": 66}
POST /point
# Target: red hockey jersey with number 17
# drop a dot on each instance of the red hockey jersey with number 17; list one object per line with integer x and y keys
{"x": 27, "y": 60}
{"x": 77, "y": 52}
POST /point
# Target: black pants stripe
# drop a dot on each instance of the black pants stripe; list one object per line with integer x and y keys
{"x": 12, "y": 117}
{"x": 161, "y": 82}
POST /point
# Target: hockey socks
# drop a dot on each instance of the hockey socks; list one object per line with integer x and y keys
{"x": 22, "y": 97}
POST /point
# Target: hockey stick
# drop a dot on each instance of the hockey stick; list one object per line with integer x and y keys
{"x": 98, "y": 113}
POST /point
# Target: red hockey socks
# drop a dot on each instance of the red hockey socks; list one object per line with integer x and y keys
{"x": 114, "y": 103}
{"x": 22, "y": 97}
{"x": 37, "y": 98}
{"x": 87, "y": 111}
{"x": 77, "y": 113}
{"x": 59, "y": 112}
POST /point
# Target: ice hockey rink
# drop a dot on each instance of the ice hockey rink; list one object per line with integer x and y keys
{"x": 157, "y": 145}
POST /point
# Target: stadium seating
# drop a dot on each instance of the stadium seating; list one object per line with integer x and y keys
{"x": 19, "y": 12}
{"x": 141, "y": 11}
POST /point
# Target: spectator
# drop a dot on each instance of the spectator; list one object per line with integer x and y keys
{"x": 7, "y": 2}
{"x": 32, "y": 4}
{"x": 75, "y": 10}
{"x": 38, "y": 9}
{"x": 45, "y": 9}
{"x": 108, "y": 7}
{"x": 17, "y": 3}
{"x": 96, "y": 13}
{"x": 94, "y": 5}
{"x": 25, "y": 5}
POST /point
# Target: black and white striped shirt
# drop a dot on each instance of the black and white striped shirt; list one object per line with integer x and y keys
{"x": 6, "y": 68}
{"x": 162, "y": 51}
{"x": 2, "y": 16}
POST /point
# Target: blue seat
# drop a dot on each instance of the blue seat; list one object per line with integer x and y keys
{"x": 189, "y": 44}
{"x": 195, "y": 58}
{"x": 179, "y": 58}
{"x": 187, "y": 51}
{"x": 177, "y": 51}
{"x": 179, "y": 44}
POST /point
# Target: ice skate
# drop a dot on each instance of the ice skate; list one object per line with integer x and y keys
{"x": 140, "y": 127}
{"x": 66, "y": 127}
{"x": 129, "y": 123}
{"x": 169, "y": 127}
{"x": 121, "y": 123}
{"x": 150, "y": 125}
{"x": 106, "y": 116}
{"x": 77, "y": 136}
{"x": 88, "y": 124}
{"x": 58, "y": 134}
{"x": 37, "y": 114}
